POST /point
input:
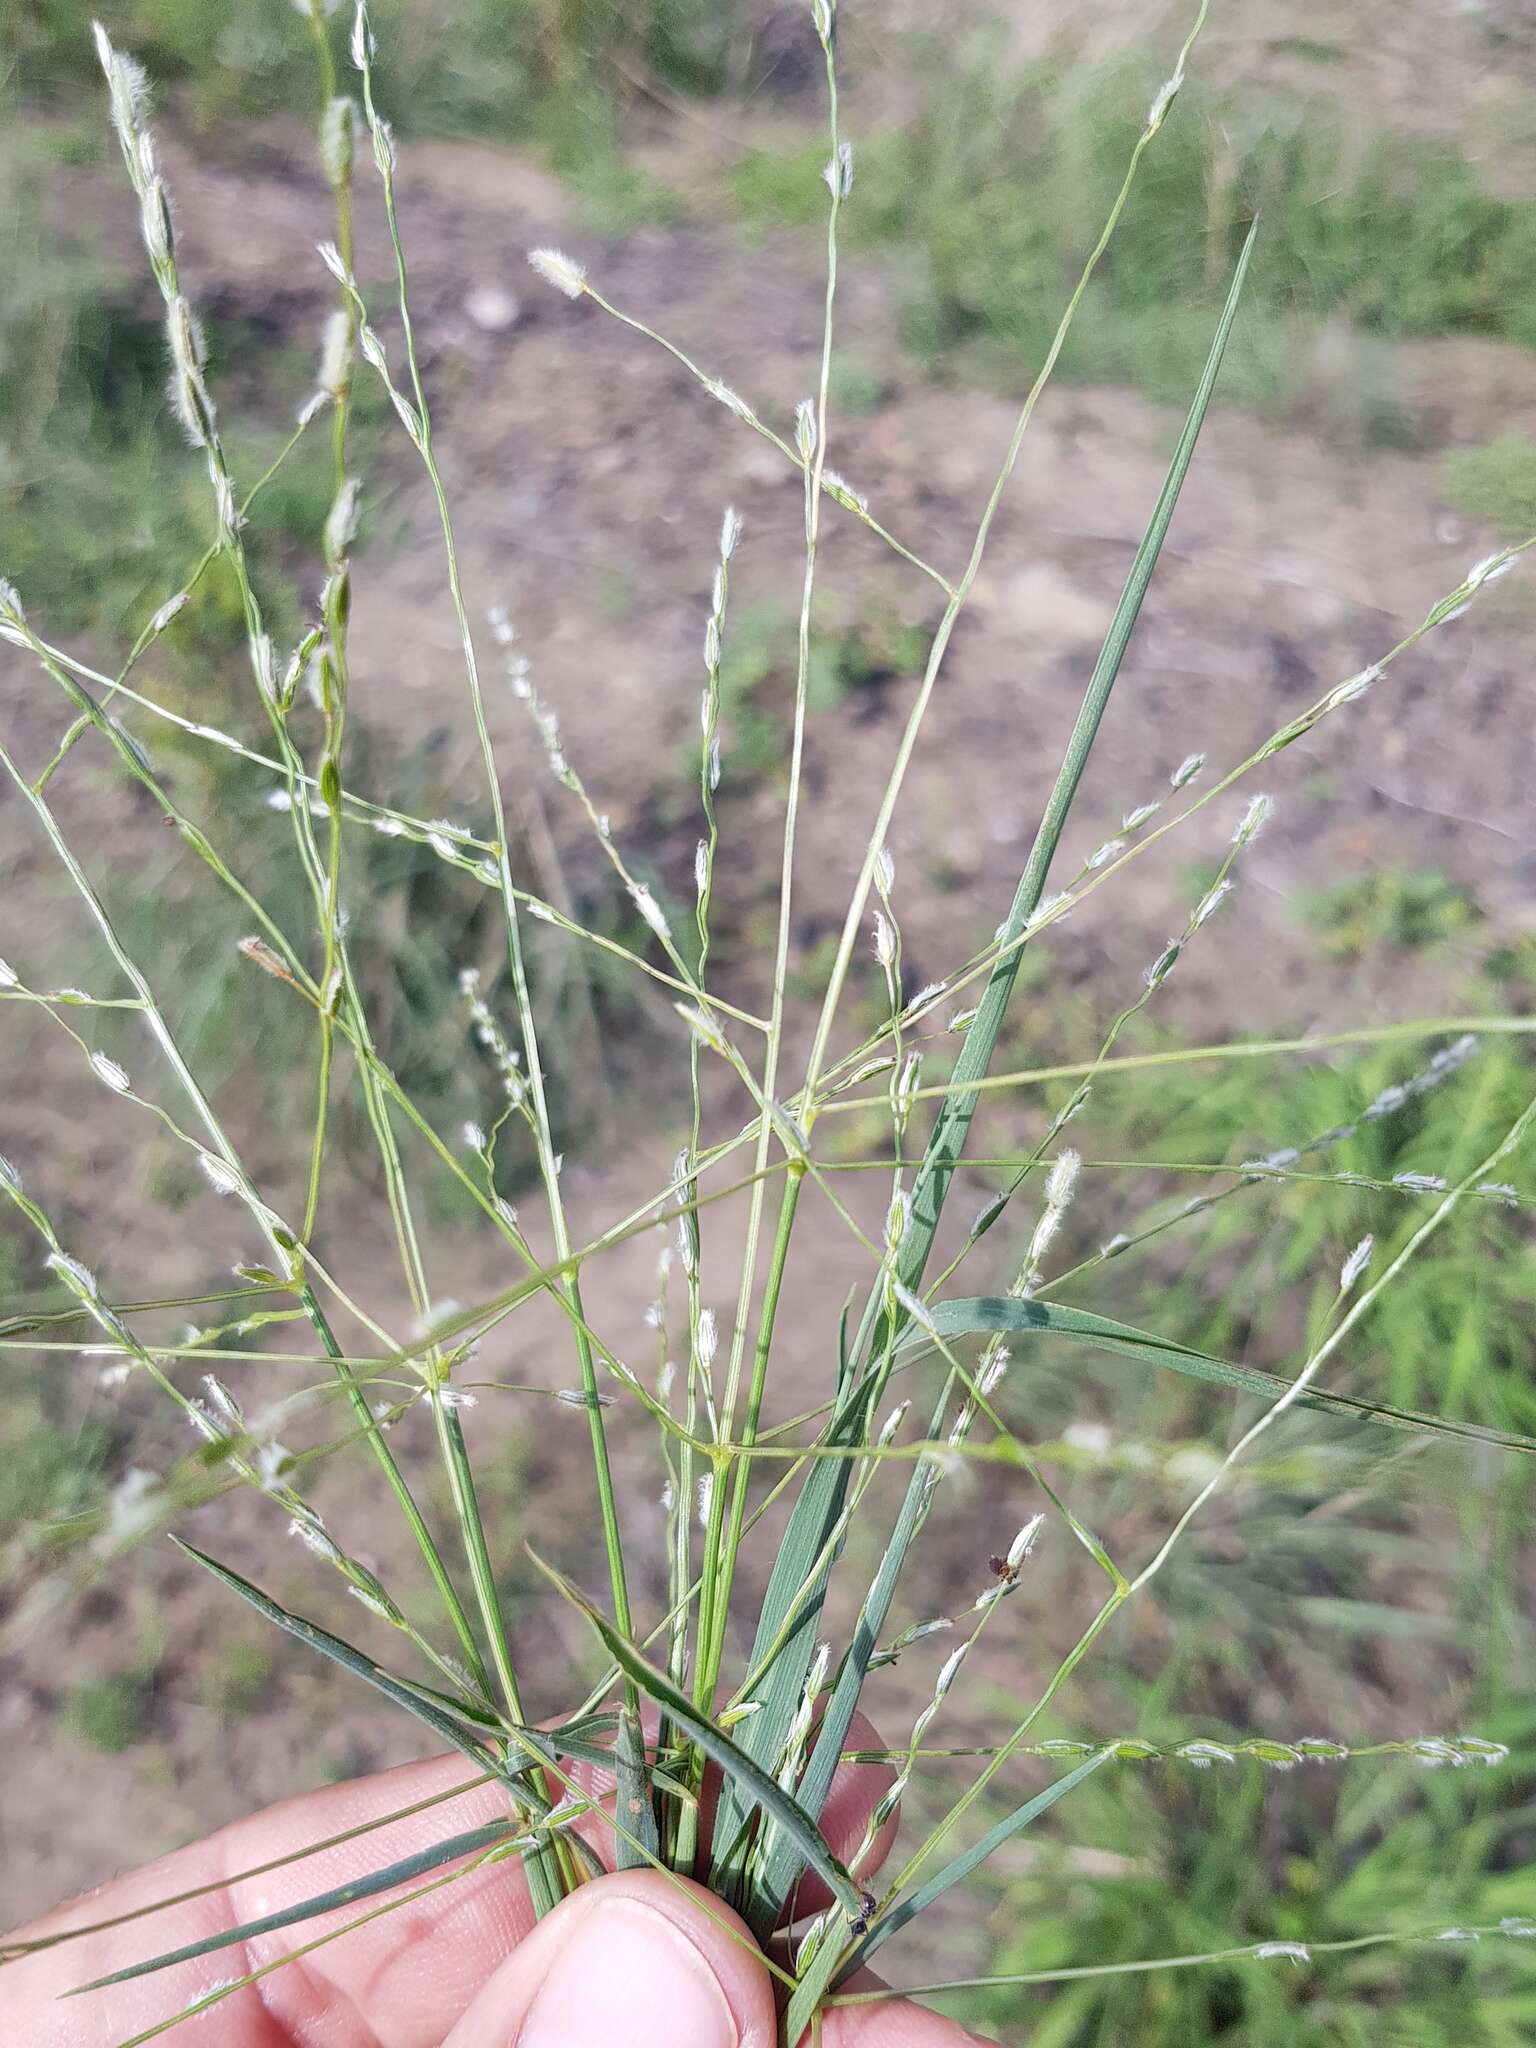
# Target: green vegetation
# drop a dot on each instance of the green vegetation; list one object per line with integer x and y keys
{"x": 1408, "y": 911}
{"x": 1169, "y": 1860}
{"x": 1001, "y": 182}
{"x": 503, "y": 69}
{"x": 1494, "y": 483}
{"x": 1451, "y": 1334}
{"x": 856, "y": 659}
{"x": 107, "y": 1714}
{"x": 48, "y": 1472}
{"x": 432, "y": 1010}
{"x": 238, "y": 1680}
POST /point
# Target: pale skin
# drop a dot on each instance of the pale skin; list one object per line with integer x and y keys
{"x": 630, "y": 1961}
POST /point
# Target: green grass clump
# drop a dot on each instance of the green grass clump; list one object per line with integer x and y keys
{"x": 1412, "y": 911}
{"x": 1493, "y": 482}
{"x": 107, "y": 1714}
{"x": 500, "y": 69}
{"x": 49, "y": 1473}
{"x": 1190, "y": 1862}
{"x": 1003, "y": 178}
{"x": 1450, "y": 1334}
{"x": 851, "y": 660}
{"x": 238, "y": 1680}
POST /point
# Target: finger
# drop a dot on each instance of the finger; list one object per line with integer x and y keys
{"x": 891, "y": 2023}
{"x": 631, "y": 1961}
{"x": 396, "y": 1983}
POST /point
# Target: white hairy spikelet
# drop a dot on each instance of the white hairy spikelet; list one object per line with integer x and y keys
{"x": 892, "y": 1423}
{"x": 77, "y": 1277}
{"x": 221, "y": 1177}
{"x": 916, "y": 1308}
{"x": 1167, "y": 93}
{"x": 838, "y": 173}
{"x": 1203, "y": 1754}
{"x": 949, "y": 1671}
{"x": 1160, "y": 969}
{"x": 1062, "y": 1178}
{"x": 1258, "y": 814}
{"x": 845, "y": 492}
{"x": 650, "y": 910}
{"x": 338, "y": 136}
{"x": 707, "y": 1337}
{"x": 361, "y": 45}
{"x": 1356, "y": 1264}
{"x": 558, "y": 269}
{"x": 110, "y": 1072}
{"x": 994, "y": 1369}
{"x": 1023, "y": 1544}
{"x": 1211, "y": 902}
{"x": 1354, "y": 686}
{"x": 731, "y": 400}
{"x": 341, "y": 520}
{"x": 310, "y": 1531}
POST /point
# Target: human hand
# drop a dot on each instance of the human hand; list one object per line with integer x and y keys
{"x": 631, "y": 1960}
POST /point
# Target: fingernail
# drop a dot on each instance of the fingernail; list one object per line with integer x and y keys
{"x": 629, "y": 1978}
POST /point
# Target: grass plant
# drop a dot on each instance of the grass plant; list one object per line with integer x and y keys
{"x": 922, "y": 1389}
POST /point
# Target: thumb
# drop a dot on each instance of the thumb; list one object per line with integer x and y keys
{"x": 634, "y": 1960}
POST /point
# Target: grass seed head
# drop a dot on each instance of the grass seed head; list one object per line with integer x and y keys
{"x": 560, "y": 270}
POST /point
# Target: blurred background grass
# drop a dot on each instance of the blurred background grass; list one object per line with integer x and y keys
{"x": 1395, "y": 191}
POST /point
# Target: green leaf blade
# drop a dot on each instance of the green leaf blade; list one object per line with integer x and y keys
{"x": 986, "y": 1316}
{"x": 469, "y": 1843}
